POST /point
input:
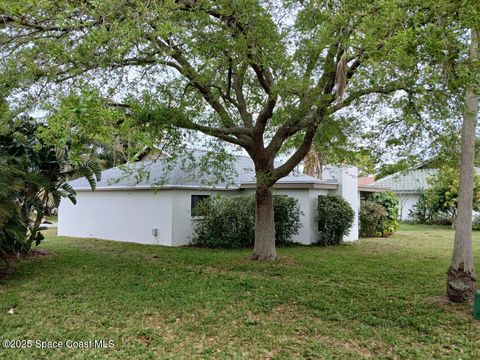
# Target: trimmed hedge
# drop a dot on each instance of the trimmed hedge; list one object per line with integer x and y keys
{"x": 335, "y": 218}
{"x": 229, "y": 222}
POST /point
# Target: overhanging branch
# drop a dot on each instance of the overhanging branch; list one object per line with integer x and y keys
{"x": 367, "y": 91}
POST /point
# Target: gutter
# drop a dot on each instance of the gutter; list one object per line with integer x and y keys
{"x": 306, "y": 185}
{"x": 372, "y": 189}
{"x": 155, "y": 188}
{"x": 300, "y": 185}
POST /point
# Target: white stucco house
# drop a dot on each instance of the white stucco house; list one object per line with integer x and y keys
{"x": 407, "y": 185}
{"x": 149, "y": 211}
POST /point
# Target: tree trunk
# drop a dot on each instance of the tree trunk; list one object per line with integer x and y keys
{"x": 264, "y": 248}
{"x": 461, "y": 278}
{"x": 37, "y": 223}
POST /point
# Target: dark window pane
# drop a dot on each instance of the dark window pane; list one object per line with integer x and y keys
{"x": 195, "y": 200}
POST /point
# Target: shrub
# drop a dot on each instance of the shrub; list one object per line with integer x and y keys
{"x": 389, "y": 200}
{"x": 372, "y": 219}
{"x": 225, "y": 222}
{"x": 442, "y": 220}
{"x": 287, "y": 218}
{"x": 13, "y": 217}
{"x": 229, "y": 222}
{"x": 442, "y": 194}
{"x": 476, "y": 223}
{"x": 420, "y": 213}
{"x": 335, "y": 217}
{"x": 424, "y": 213}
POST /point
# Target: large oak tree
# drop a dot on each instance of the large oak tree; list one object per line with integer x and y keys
{"x": 262, "y": 75}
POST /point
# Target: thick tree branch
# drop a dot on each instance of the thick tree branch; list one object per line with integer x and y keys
{"x": 237, "y": 84}
{"x": 298, "y": 155}
{"x": 186, "y": 69}
{"x": 223, "y": 134}
{"x": 393, "y": 87}
{"x": 26, "y": 23}
{"x": 320, "y": 98}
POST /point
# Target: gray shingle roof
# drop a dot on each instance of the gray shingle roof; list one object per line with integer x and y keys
{"x": 184, "y": 172}
{"x": 411, "y": 181}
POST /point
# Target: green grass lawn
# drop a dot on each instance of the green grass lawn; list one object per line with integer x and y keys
{"x": 377, "y": 298}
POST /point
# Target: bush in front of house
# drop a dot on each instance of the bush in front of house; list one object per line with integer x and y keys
{"x": 229, "y": 222}
{"x": 379, "y": 215}
{"x": 476, "y": 223}
{"x": 372, "y": 219}
{"x": 287, "y": 218}
{"x": 224, "y": 222}
{"x": 389, "y": 200}
{"x": 420, "y": 213}
{"x": 335, "y": 218}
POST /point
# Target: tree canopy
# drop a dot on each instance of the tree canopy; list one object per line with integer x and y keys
{"x": 267, "y": 76}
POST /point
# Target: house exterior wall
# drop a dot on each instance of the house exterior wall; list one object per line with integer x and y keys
{"x": 132, "y": 215}
{"x": 307, "y": 200}
{"x": 349, "y": 191}
{"x": 182, "y": 220}
{"x": 348, "y": 188}
{"x": 183, "y": 223}
{"x": 118, "y": 215}
{"x": 406, "y": 203}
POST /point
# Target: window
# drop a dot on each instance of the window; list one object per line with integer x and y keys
{"x": 195, "y": 200}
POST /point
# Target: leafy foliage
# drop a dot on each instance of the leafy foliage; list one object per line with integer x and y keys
{"x": 229, "y": 222}
{"x": 40, "y": 180}
{"x": 443, "y": 192}
{"x": 91, "y": 129}
{"x": 476, "y": 223}
{"x": 379, "y": 215}
{"x": 389, "y": 200}
{"x": 421, "y": 213}
{"x": 438, "y": 204}
{"x": 372, "y": 219}
{"x": 13, "y": 225}
{"x": 269, "y": 77}
{"x": 388, "y": 169}
{"x": 287, "y": 218}
{"x": 335, "y": 218}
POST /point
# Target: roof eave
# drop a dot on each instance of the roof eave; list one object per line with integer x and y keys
{"x": 295, "y": 185}
{"x": 162, "y": 187}
{"x": 372, "y": 189}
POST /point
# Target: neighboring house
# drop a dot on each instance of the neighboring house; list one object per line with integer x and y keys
{"x": 125, "y": 208}
{"x": 407, "y": 185}
{"x": 366, "y": 180}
